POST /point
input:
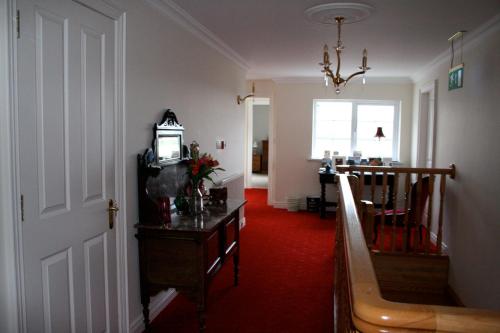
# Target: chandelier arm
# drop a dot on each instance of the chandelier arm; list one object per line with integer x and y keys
{"x": 328, "y": 72}
{"x": 353, "y": 75}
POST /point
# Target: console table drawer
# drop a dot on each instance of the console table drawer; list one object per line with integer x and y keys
{"x": 172, "y": 262}
{"x": 213, "y": 253}
{"x": 231, "y": 235}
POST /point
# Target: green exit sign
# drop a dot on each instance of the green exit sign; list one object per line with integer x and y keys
{"x": 456, "y": 77}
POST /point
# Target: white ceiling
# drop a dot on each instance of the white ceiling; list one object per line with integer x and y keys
{"x": 277, "y": 41}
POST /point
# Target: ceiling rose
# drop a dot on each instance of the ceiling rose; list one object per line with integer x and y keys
{"x": 350, "y": 11}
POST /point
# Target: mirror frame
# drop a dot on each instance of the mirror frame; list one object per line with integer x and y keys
{"x": 168, "y": 127}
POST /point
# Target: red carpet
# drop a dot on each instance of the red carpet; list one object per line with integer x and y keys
{"x": 286, "y": 278}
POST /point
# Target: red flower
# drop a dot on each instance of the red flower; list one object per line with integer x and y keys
{"x": 202, "y": 166}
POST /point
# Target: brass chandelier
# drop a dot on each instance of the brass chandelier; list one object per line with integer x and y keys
{"x": 337, "y": 80}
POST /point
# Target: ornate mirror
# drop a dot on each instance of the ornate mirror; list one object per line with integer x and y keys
{"x": 168, "y": 140}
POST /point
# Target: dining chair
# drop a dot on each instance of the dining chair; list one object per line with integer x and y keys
{"x": 418, "y": 204}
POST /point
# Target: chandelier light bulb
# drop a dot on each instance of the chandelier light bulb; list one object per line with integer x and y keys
{"x": 364, "y": 79}
{"x": 337, "y": 90}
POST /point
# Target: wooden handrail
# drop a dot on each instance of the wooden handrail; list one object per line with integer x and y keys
{"x": 387, "y": 169}
{"x": 395, "y": 209}
{"x": 372, "y": 313}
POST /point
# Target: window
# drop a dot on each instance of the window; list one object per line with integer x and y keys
{"x": 346, "y": 126}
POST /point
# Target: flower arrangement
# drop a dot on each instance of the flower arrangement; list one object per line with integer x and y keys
{"x": 201, "y": 166}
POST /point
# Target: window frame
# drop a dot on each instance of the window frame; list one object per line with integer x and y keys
{"x": 354, "y": 122}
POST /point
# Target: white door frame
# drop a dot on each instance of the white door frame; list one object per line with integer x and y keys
{"x": 426, "y": 129}
{"x": 249, "y": 103}
{"x": 12, "y": 300}
{"x": 247, "y": 171}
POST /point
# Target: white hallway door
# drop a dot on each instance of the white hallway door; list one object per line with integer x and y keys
{"x": 67, "y": 172}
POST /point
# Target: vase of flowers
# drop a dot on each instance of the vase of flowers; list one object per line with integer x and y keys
{"x": 200, "y": 167}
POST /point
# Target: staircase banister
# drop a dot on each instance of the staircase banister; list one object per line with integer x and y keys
{"x": 451, "y": 170}
{"x": 372, "y": 313}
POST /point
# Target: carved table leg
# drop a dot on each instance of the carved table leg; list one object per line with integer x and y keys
{"x": 236, "y": 263}
{"x": 145, "y": 311}
{"x": 143, "y": 283}
{"x": 202, "y": 315}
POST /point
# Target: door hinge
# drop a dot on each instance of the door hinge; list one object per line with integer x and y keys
{"x": 22, "y": 208}
{"x": 18, "y": 24}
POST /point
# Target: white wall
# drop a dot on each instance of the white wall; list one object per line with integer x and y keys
{"x": 468, "y": 133}
{"x": 295, "y": 172}
{"x": 168, "y": 67}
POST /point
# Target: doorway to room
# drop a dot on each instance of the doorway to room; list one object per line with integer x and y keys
{"x": 258, "y": 139}
{"x": 426, "y": 126}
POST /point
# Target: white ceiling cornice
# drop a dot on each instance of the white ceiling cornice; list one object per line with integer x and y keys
{"x": 181, "y": 17}
{"x": 471, "y": 39}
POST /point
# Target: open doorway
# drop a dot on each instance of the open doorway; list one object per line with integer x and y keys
{"x": 258, "y": 114}
{"x": 426, "y": 125}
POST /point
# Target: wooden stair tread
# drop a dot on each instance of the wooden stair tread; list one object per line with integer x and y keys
{"x": 414, "y": 278}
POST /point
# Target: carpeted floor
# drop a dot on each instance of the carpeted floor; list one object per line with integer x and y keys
{"x": 286, "y": 278}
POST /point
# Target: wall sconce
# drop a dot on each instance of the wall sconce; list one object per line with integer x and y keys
{"x": 379, "y": 133}
{"x": 240, "y": 99}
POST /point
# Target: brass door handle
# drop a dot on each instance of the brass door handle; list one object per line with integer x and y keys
{"x": 112, "y": 210}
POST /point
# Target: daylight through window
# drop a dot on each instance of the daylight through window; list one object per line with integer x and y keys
{"x": 346, "y": 126}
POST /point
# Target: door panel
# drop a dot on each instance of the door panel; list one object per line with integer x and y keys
{"x": 66, "y": 133}
{"x": 96, "y": 281}
{"x": 51, "y": 112}
{"x": 58, "y": 296}
{"x": 93, "y": 111}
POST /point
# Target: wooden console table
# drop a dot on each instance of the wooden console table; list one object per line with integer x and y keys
{"x": 325, "y": 178}
{"x": 329, "y": 178}
{"x": 187, "y": 253}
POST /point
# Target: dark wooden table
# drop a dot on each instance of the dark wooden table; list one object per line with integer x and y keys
{"x": 187, "y": 253}
{"x": 329, "y": 178}
{"x": 325, "y": 178}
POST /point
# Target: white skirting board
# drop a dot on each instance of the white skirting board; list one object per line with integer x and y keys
{"x": 284, "y": 205}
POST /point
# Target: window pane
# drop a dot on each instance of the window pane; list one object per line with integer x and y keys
{"x": 332, "y": 127}
{"x": 327, "y": 110}
{"x": 369, "y": 118}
